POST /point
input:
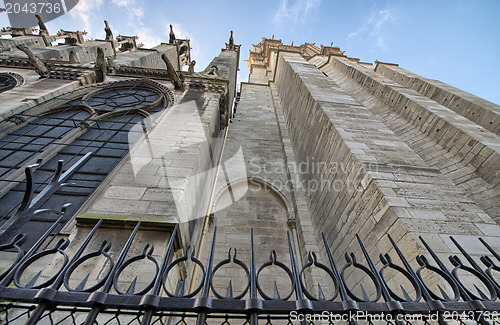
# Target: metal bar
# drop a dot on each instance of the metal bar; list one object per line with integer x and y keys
{"x": 490, "y": 248}
{"x": 425, "y": 293}
{"x": 443, "y": 267}
{"x": 463, "y": 292}
{"x": 56, "y": 183}
{"x": 38, "y": 312}
{"x": 473, "y": 263}
{"x": 5, "y": 282}
{"x": 394, "y": 306}
{"x": 254, "y": 303}
{"x": 98, "y": 298}
{"x": 29, "y": 204}
{"x": 204, "y": 302}
{"x": 347, "y": 303}
{"x": 148, "y": 315}
{"x": 303, "y": 305}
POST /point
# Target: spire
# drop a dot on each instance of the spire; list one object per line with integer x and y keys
{"x": 171, "y": 35}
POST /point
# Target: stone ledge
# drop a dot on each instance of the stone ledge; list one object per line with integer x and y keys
{"x": 148, "y": 222}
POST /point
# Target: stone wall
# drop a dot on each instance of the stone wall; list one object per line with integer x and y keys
{"x": 476, "y": 109}
{"x": 367, "y": 180}
{"x": 472, "y": 155}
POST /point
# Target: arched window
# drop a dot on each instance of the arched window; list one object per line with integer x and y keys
{"x": 99, "y": 122}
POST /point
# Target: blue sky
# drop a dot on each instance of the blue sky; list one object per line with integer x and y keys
{"x": 456, "y": 42}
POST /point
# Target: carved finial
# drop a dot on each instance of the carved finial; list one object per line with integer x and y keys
{"x": 40, "y": 68}
{"x": 100, "y": 65}
{"x": 171, "y": 35}
{"x": 191, "y": 66}
{"x": 172, "y": 74}
{"x": 109, "y": 33}
{"x": 41, "y": 26}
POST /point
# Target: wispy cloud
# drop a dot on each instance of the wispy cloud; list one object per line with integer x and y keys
{"x": 134, "y": 10}
{"x": 83, "y": 11}
{"x": 291, "y": 13}
{"x": 375, "y": 27}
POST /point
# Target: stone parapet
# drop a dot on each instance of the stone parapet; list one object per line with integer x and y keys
{"x": 477, "y": 110}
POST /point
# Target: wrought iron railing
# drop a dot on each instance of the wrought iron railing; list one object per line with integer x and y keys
{"x": 55, "y": 299}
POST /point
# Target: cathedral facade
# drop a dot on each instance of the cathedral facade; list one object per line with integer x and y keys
{"x": 295, "y": 187}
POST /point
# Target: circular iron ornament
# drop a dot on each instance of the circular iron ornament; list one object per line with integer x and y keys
{"x": 491, "y": 266}
{"x": 387, "y": 261}
{"x": 9, "y": 80}
{"x": 351, "y": 261}
{"x": 58, "y": 248}
{"x": 228, "y": 261}
{"x": 128, "y": 95}
{"x": 102, "y": 250}
{"x": 145, "y": 255}
{"x": 273, "y": 261}
{"x": 424, "y": 264}
{"x": 14, "y": 244}
{"x": 313, "y": 260}
{"x": 455, "y": 260}
{"x": 178, "y": 261}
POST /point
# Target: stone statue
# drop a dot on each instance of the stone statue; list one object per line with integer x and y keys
{"x": 109, "y": 33}
{"x": 213, "y": 71}
{"x": 41, "y": 26}
{"x": 231, "y": 41}
{"x": 171, "y": 35}
{"x": 40, "y": 68}
{"x": 172, "y": 74}
{"x": 72, "y": 57}
{"x": 100, "y": 65}
{"x": 191, "y": 67}
{"x": 111, "y": 64}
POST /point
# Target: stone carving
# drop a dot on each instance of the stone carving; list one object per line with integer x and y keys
{"x": 40, "y": 68}
{"x": 111, "y": 64}
{"x": 41, "y": 26}
{"x": 100, "y": 65}
{"x": 213, "y": 71}
{"x": 231, "y": 41}
{"x": 109, "y": 33}
{"x": 16, "y": 31}
{"x": 171, "y": 35}
{"x": 191, "y": 67}
{"x": 172, "y": 74}
{"x": 72, "y": 57}
{"x": 127, "y": 42}
{"x": 71, "y": 38}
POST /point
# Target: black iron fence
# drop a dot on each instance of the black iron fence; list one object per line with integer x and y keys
{"x": 56, "y": 299}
